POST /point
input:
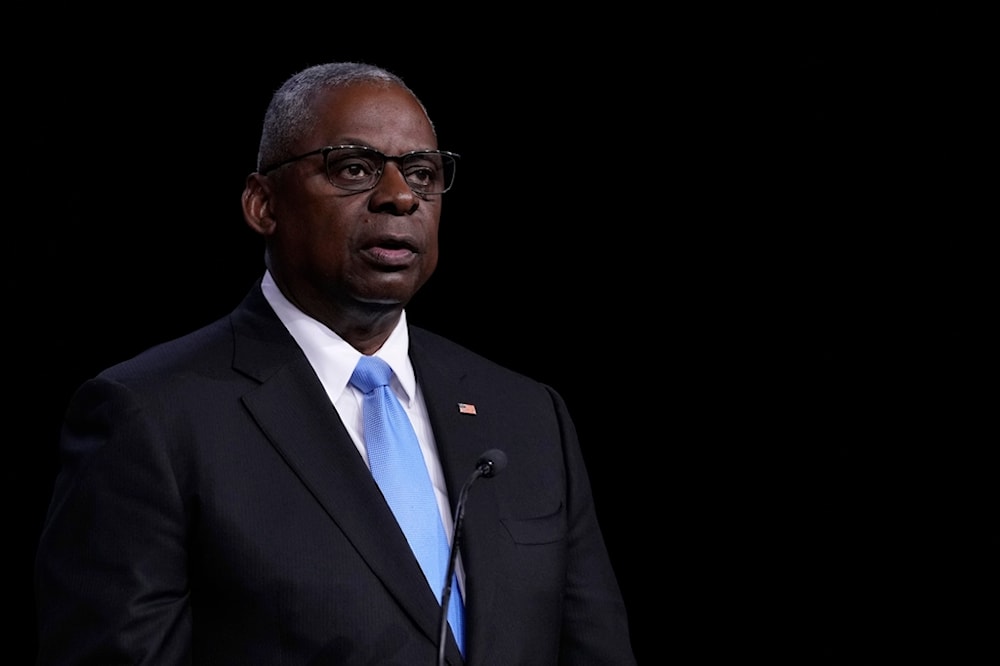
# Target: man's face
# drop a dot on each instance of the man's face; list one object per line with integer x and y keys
{"x": 344, "y": 248}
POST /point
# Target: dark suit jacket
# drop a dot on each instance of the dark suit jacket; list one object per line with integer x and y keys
{"x": 212, "y": 509}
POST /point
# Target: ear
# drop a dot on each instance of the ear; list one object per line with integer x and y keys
{"x": 257, "y": 205}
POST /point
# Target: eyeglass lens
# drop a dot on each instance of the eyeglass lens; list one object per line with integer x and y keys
{"x": 359, "y": 169}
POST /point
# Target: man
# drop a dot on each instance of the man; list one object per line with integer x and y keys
{"x": 215, "y": 504}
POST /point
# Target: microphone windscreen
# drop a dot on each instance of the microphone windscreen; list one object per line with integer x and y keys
{"x": 493, "y": 461}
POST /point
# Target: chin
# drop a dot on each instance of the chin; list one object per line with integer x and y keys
{"x": 392, "y": 288}
{"x": 385, "y": 297}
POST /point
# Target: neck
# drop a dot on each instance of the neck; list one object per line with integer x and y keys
{"x": 365, "y": 325}
{"x": 367, "y": 335}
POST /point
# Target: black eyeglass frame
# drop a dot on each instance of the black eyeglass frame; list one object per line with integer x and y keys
{"x": 326, "y": 150}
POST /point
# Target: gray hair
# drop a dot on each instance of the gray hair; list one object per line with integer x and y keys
{"x": 291, "y": 113}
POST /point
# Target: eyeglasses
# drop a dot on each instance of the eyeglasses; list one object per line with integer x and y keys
{"x": 359, "y": 168}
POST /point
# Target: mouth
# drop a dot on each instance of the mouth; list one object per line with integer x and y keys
{"x": 391, "y": 253}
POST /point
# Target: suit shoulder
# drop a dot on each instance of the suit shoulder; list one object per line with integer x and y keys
{"x": 201, "y": 347}
{"x": 436, "y": 346}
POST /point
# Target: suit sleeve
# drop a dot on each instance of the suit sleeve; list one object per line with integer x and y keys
{"x": 595, "y": 624}
{"x": 111, "y": 567}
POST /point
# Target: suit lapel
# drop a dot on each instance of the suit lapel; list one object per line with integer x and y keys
{"x": 293, "y": 411}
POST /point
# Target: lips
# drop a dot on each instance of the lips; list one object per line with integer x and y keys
{"x": 391, "y": 253}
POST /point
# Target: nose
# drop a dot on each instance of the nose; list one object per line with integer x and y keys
{"x": 392, "y": 193}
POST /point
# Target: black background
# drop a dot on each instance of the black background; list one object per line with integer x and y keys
{"x": 740, "y": 246}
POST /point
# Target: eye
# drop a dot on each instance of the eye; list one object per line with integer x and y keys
{"x": 351, "y": 167}
{"x": 422, "y": 172}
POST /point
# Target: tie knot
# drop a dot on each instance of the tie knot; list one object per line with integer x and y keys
{"x": 370, "y": 373}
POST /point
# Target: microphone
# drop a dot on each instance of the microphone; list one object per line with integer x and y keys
{"x": 488, "y": 465}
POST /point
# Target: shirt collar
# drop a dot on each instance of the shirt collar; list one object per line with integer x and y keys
{"x": 330, "y": 355}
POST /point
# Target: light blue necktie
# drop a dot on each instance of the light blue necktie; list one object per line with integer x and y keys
{"x": 398, "y": 467}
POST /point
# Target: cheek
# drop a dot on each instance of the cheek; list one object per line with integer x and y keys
{"x": 432, "y": 254}
{"x": 325, "y": 225}
{"x": 431, "y": 244}
{"x": 314, "y": 236}
{"x": 315, "y": 242}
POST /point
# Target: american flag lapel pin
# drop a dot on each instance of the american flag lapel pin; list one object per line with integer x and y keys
{"x": 466, "y": 408}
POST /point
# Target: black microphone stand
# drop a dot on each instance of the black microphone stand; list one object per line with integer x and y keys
{"x": 488, "y": 464}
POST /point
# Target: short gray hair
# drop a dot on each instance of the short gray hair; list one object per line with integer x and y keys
{"x": 291, "y": 113}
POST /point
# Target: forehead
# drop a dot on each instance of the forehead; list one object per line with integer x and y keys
{"x": 383, "y": 116}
